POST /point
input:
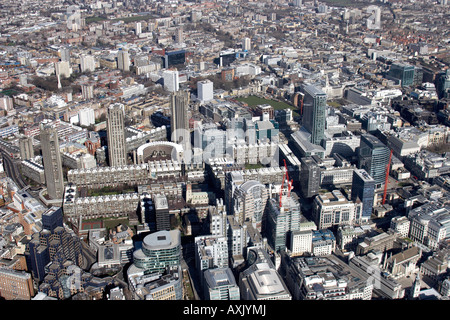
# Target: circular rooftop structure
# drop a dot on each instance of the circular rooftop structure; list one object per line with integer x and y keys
{"x": 159, "y": 150}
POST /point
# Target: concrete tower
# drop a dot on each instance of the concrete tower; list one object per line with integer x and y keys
{"x": 26, "y": 147}
{"x": 51, "y": 158}
{"x": 179, "y": 103}
{"x": 116, "y": 135}
{"x": 123, "y": 60}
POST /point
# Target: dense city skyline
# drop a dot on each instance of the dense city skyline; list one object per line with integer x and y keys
{"x": 225, "y": 150}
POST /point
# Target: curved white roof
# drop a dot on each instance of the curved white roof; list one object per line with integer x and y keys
{"x": 140, "y": 150}
{"x": 248, "y": 185}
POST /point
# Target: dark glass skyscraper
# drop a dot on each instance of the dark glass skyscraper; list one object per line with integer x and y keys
{"x": 52, "y": 244}
{"x": 314, "y": 112}
{"x": 52, "y": 218}
{"x": 363, "y": 188}
{"x": 403, "y": 72}
{"x": 309, "y": 177}
{"x": 161, "y": 212}
{"x": 373, "y": 156}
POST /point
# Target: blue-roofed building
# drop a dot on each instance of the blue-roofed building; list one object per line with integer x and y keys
{"x": 323, "y": 242}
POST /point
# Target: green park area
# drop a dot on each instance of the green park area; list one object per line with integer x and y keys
{"x": 277, "y": 105}
{"x": 347, "y": 3}
{"x": 125, "y": 19}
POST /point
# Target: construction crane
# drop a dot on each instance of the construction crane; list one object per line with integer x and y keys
{"x": 388, "y": 167}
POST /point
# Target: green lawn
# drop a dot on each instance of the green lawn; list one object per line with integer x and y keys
{"x": 107, "y": 191}
{"x": 277, "y": 105}
{"x": 250, "y": 166}
{"x": 125, "y": 19}
{"x": 347, "y": 3}
{"x": 112, "y": 223}
{"x": 334, "y": 104}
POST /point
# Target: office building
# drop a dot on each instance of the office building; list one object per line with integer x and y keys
{"x": 374, "y": 21}
{"x": 6, "y": 103}
{"x": 260, "y": 280}
{"x": 324, "y": 278}
{"x": 220, "y": 284}
{"x": 379, "y": 242}
{"x": 443, "y": 84}
{"x": 162, "y": 215}
{"x": 87, "y": 63}
{"x": 86, "y": 117}
{"x": 237, "y": 240}
{"x": 157, "y": 286}
{"x": 301, "y": 242}
{"x": 179, "y": 104}
{"x": 281, "y": 221}
{"x": 160, "y": 250}
{"x": 138, "y": 28}
{"x": 363, "y": 188}
{"x": 63, "y": 69}
{"x": 314, "y": 112}
{"x": 51, "y": 158}
{"x": 174, "y": 58}
{"x": 171, "y": 80}
{"x": 384, "y": 286}
{"x": 15, "y": 284}
{"x": 52, "y": 218}
{"x": 211, "y": 141}
{"x": 46, "y": 247}
{"x": 430, "y": 224}
{"x": 246, "y": 44}
{"x": 64, "y": 53}
{"x": 179, "y": 35}
{"x": 211, "y": 252}
{"x": 323, "y": 242}
{"x": 87, "y": 91}
{"x": 334, "y": 209}
{"x": 249, "y": 202}
{"x": 309, "y": 177}
{"x": 123, "y": 60}
{"x": 116, "y": 135}
{"x": 400, "y": 225}
{"x": 348, "y": 237}
{"x": 373, "y": 156}
{"x": 217, "y": 216}
{"x": 205, "y": 90}
{"x": 403, "y": 72}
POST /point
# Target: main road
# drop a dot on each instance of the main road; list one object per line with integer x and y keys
{"x": 11, "y": 169}
{"x": 10, "y": 166}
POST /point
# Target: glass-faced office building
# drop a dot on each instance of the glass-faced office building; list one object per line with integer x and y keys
{"x": 403, "y": 72}
{"x": 373, "y": 157}
{"x": 363, "y": 187}
{"x": 160, "y": 250}
{"x": 314, "y": 115}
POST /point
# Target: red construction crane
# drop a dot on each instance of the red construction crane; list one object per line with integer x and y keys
{"x": 388, "y": 167}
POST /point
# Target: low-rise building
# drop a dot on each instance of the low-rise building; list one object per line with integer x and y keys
{"x": 220, "y": 284}
{"x": 333, "y": 208}
{"x": 324, "y": 278}
{"x": 260, "y": 280}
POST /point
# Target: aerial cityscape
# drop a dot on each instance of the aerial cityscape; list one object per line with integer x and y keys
{"x": 225, "y": 150}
